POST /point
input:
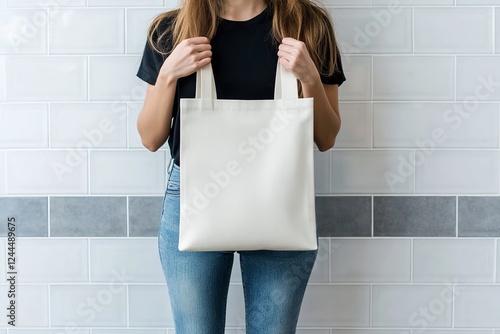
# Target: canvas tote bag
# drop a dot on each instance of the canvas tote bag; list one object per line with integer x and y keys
{"x": 247, "y": 170}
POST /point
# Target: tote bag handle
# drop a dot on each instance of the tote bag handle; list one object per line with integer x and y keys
{"x": 285, "y": 87}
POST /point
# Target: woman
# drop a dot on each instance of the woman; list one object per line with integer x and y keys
{"x": 244, "y": 40}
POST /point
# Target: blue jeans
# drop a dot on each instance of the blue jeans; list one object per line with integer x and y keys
{"x": 273, "y": 281}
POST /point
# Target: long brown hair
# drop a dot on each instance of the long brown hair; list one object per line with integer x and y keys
{"x": 303, "y": 20}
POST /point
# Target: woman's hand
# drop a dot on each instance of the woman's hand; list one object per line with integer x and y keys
{"x": 294, "y": 56}
{"x": 188, "y": 56}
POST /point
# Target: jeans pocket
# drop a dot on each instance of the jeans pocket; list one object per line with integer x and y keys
{"x": 173, "y": 188}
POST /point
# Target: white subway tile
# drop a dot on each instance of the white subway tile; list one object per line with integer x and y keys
{"x": 336, "y": 305}
{"x": 24, "y": 31}
{"x": 33, "y": 302}
{"x": 358, "y": 72}
{"x": 377, "y": 260}
{"x": 134, "y": 139}
{"x": 435, "y": 125}
{"x": 345, "y": 2}
{"x": 52, "y": 5}
{"x": 52, "y": 260}
{"x": 457, "y": 171}
{"x": 477, "y": 2}
{"x": 3, "y": 180}
{"x": 453, "y": 30}
{"x": 356, "y": 127}
{"x": 103, "y": 32}
{"x": 127, "y": 172}
{"x": 453, "y": 260}
{"x": 103, "y": 305}
{"x": 235, "y": 315}
{"x": 138, "y": 21}
{"x": 408, "y": 306}
{"x": 125, "y": 3}
{"x": 310, "y": 331}
{"x": 88, "y": 125}
{"x": 413, "y": 78}
{"x": 42, "y": 172}
{"x": 373, "y": 30}
{"x": 2, "y": 4}
{"x": 456, "y": 331}
{"x": 413, "y": 2}
{"x": 23, "y": 125}
{"x": 364, "y": 171}
{"x": 322, "y": 172}
{"x": 477, "y": 306}
{"x": 371, "y": 331}
{"x": 156, "y": 312}
{"x": 236, "y": 269}
{"x": 128, "y": 331}
{"x": 2, "y": 79}
{"x": 497, "y": 28}
{"x": 3, "y": 259}
{"x": 478, "y": 78}
{"x": 48, "y": 331}
{"x": 134, "y": 260}
{"x": 50, "y": 78}
{"x": 113, "y": 78}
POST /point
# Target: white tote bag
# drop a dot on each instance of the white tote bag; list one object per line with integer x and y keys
{"x": 247, "y": 170}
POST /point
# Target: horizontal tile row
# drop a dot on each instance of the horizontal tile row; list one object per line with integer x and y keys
{"x": 392, "y": 306}
{"x": 136, "y": 260}
{"x": 88, "y": 125}
{"x": 337, "y": 216}
{"x": 76, "y": 171}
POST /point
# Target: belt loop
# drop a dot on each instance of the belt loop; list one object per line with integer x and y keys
{"x": 170, "y": 165}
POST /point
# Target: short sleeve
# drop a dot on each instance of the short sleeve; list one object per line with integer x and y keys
{"x": 338, "y": 77}
{"x": 152, "y": 60}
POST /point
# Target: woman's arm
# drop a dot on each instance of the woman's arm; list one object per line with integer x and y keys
{"x": 155, "y": 118}
{"x": 294, "y": 56}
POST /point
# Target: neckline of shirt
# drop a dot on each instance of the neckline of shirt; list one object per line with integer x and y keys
{"x": 252, "y": 20}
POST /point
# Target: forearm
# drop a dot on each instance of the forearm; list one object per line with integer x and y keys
{"x": 154, "y": 121}
{"x": 326, "y": 116}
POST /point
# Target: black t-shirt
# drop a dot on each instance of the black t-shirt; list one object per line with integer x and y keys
{"x": 244, "y": 61}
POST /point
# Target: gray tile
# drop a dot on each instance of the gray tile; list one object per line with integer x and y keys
{"x": 343, "y": 216}
{"x": 30, "y": 215}
{"x": 414, "y": 216}
{"x": 144, "y": 216}
{"x": 479, "y": 216}
{"x": 88, "y": 216}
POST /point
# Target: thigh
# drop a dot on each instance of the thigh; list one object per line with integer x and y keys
{"x": 274, "y": 283}
{"x": 197, "y": 282}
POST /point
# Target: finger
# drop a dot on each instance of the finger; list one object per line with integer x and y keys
{"x": 201, "y": 47}
{"x": 203, "y": 55}
{"x": 290, "y": 41}
{"x": 287, "y": 48}
{"x": 199, "y": 40}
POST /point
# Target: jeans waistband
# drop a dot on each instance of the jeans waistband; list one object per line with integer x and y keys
{"x": 172, "y": 165}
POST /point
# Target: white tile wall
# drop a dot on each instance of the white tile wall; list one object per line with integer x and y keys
{"x": 31, "y": 118}
{"x": 50, "y": 331}
{"x": 3, "y": 180}
{"x": 24, "y": 31}
{"x": 53, "y": 5}
{"x": 497, "y": 30}
{"x": 371, "y": 331}
{"x": 33, "y": 301}
{"x": 372, "y": 171}
{"x": 127, "y": 172}
{"x": 477, "y": 306}
{"x": 103, "y": 305}
{"x": 359, "y": 85}
{"x": 3, "y": 260}
{"x": 138, "y": 21}
{"x": 88, "y": 125}
{"x": 453, "y": 30}
{"x": 125, "y": 260}
{"x": 156, "y": 312}
{"x": 46, "y": 78}
{"x": 372, "y": 260}
{"x": 71, "y": 33}
{"x": 134, "y": 140}
{"x": 52, "y": 260}
{"x": 373, "y": 30}
{"x": 413, "y": 2}
{"x": 356, "y": 128}
{"x": 435, "y": 125}
{"x": 321, "y": 172}
{"x": 416, "y": 306}
{"x": 42, "y": 172}
{"x": 2, "y": 79}
{"x": 336, "y": 305}
{"x": 478, "y": 79}
{"x": 423, "y": 78}
{"x": 469, "y": 260}
{"x": 126, "y": 3}
{"x": 466, "y": 172}
{"x": 112, "y": 78}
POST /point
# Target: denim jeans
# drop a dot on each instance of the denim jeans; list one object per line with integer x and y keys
{"x": 273, "y": 281}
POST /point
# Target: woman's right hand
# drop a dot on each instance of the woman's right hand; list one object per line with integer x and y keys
{"x": 187, "y": 57}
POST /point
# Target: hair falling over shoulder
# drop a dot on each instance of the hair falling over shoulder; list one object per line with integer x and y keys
{"x": 303, "y": 20}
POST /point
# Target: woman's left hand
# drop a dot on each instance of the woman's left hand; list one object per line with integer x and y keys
{"x": 294, "y": 56}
